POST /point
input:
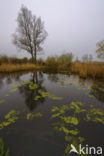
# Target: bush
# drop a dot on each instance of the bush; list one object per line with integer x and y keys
{"x": 59, "y": 61}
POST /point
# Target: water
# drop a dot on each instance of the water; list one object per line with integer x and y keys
{"x": 42, "y": 114}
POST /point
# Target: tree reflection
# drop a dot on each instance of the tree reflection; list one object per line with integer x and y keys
{"x": 97, "y": 90}
{"x": 29, "y": 94}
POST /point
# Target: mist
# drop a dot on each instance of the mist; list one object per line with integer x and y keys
{"x": 72, "y": 25}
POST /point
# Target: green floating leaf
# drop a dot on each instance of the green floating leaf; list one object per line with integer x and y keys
{"x": 76, "y": 107}
{"x": 2, "y": 149}
{"x": 54, "y": 109}
{"x": 54, "y": 97}
{"x": 11, "y": 113}
{"x": 1, "y": 101}
{"x": 33, "y": 86}
{"x": 7, "y": 95}
{"x": 12, "y": 85}
{"x": 68, "y": 138}
{"x": 63, "y": 86}
{"x": 91, "y": 96}
{"x": 37, "y": 97}
{"x": 97, "y": 112}
{"x": 11, "y": 117}
{"x": 38, "y": 115}
{"x": 71, "y": 120}
{"x": 30, "y": 116}
{"x": 67, "y": 131}
{"x": 7, "y": 152}
{"x": 81, "y": 139}
{"x": 13, "y": 90}
{"x": 43, "y": 94}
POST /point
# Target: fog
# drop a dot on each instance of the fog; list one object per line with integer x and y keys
{"x": 72, "y": 25}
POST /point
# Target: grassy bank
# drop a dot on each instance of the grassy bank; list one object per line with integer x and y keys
{"x": 94, "y": 70}
{"x": 18, "y": 67}
{"x": 64, "y": 62}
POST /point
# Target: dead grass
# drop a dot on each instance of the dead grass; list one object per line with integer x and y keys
{"x": 92, "y": 69}
{"x": 18, "y": 67}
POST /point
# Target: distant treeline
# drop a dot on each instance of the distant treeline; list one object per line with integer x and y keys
{"x": 14, "y": 60}
{"x": 52, "y": 61}
{"x": 84, "y": 68}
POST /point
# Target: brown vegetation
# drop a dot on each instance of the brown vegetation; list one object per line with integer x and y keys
{"x": 90, "y": 69}
{"x": 18, "y": 67}
{"x": 64, "y": 62}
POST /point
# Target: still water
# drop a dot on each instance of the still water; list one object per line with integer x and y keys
{"x": 42, "y": 114}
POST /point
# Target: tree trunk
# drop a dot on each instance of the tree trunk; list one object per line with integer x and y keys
{"x": 35, "y": 54}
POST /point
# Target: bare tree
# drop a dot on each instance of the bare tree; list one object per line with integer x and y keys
{"x": 85, "y": 58}
{"x": 30, "y": 33}
{"x": 90, "y": 58}
{"x": 100, "y": 50}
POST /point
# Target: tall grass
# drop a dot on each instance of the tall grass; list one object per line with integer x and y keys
{"x": 18, "y": 67}
{"x": 91, "y": 69}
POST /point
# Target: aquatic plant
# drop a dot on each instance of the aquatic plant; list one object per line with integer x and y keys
{"x": 43, "y": 94}
{"x": 7, "y": 95}
{"x": 33, "y": 86}
{"x": 13, "y": 90}
{"x": 2, "y": 150}
{"x": 30, "y": 116}
{"x": 68, "y": 118}
{"x": 1, "y": 101}
{"x": 13, "y": 85}
{"x": 10, "y": 118}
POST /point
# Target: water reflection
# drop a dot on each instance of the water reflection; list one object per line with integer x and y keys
{"x": 97, "y": 90}
{"x": 29, "y": 94}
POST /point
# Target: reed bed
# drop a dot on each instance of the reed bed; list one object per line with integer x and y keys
{"x": 90, "y": 69}
{"x": 18, "y": 67}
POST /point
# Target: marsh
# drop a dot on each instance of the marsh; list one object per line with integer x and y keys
{"x": 44, "y": 113}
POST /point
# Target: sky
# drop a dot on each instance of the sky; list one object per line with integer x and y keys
{"x": 72, "y": 25}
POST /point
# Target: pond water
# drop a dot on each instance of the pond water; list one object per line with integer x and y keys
{"x": 44, "y": 113}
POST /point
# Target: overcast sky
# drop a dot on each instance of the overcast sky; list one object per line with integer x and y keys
{"x": 72, "y": 25}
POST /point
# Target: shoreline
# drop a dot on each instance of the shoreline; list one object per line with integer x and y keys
{"x": 84, "y": 70}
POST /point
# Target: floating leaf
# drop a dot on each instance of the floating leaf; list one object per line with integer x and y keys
{"x": 71, "y": 120}
{"x": 30, "y": 116}
{"x": 13, "y": 90}
{"x": 1, "y": 101}
{"x": 11, "y": 117}
{"x": 33, "y": 86}
{"x": 38, "y": 115}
